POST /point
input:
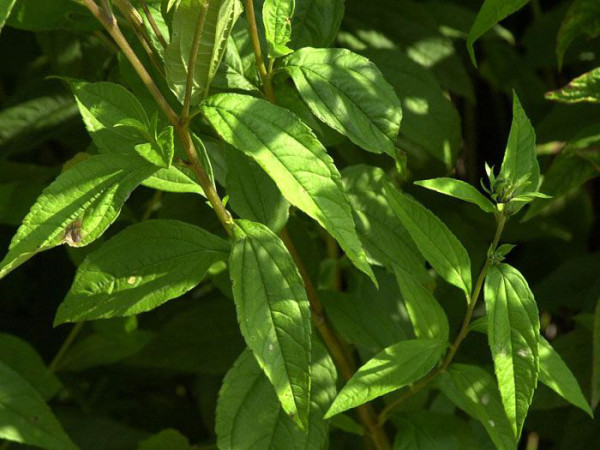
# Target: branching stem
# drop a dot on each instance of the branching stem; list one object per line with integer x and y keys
{"x": 462, "y": 333}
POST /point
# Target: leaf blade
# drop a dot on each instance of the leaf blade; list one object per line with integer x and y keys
{"x": 296, "y": 161}
{"x": 274, "y": 313}
{"x": 458, "y": 189}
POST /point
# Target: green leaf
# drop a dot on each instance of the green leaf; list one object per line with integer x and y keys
{"x": 474, "y": 391}
{"x": 41, "y": 15}
{"x": 492, "y": 12}
{"x": 252, "y": 194}
{"x": 520, "y": 160}
{"x": 584, "y": 88}
{"x": 555, "y": 374}
{"x": 316, "y": 22}
{"x": 434, "y": 240}
{"x": 348, "y": 93}
{"x": 111, "y": 342}
{"x": 459, "y": 189}
{"x": 231, "y": 74}
{"x": 174, "y": 179}
{"x": 26, "y": 124}
{"x": 217, "y": 24}
{"x": 395, "y": 367}
{"x": 596, "y": 358}
{"x": 427, "y": 316}
{"x": 77, "y": 207}
{"x": 6, "y": 7}
{"x": 273, "y": 313}
{"x": 291, "y": 155}
{"x": 139, "y": 269}
{"x": 21, "y": 357}
{"x": 20, "y": 185}
{"x": 178, "y": 346}
{"x": 277, "y": 17}
{"x": 366, "y": 323}
{"x": 385, "y": 239}
{"x": 514, "y": 336}
{"x": 25, "y": 417}
{"x": 249, "y": 416}
{"x": 582, "y": 19}
{"x": 429, "y": 119}
{"x": 168, "y": 438}
{"x": 105, "y": 107}
{"x": 417, "y": 430}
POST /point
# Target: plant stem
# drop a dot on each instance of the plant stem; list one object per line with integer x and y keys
{"x": 65, "y": 347}
{"x": 343, "y": 361}
{"x": 462, "y": 334}
{"x": 183, "y": 133}
{"x": 189, "y": 83}
{"x": 153, "y": 23}
{"x": 260, "y": 63}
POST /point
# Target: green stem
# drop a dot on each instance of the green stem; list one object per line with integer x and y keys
{"x": 153, "y": 23}
{"x": 462, "y": 334}
{"x": 189, "y": 84}
{"x": 260, "y": 63}
{"x": 65, "y": 347}
{"x": 182, "y": 131}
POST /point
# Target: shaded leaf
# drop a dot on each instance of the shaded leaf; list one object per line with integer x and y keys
{"x": 6, "y": 7}
{"x": 492, "y": 12}
{"x": 21, "y": 357}
{"x": 168, "y": 438}
{"x": 474, "y": 391}
{"x": 427, "y": 316}
{"x": 434, "y": 240}
{"x": 249, "y": 416}
{"x": 25, "y": 416}
{"x": 582, "y": 19}
{"x": 316, "y": 22}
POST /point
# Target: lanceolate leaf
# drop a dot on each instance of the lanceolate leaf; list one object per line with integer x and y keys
{"x": 217, "y": 24}
{"x": 77, "y": 207}
{"x": 103, "y": 106}
{"x": 474, "y": 391}
{"x": 514, "y": 336}
{"x": 555, "y": 374}
{"x": 252, "y": 194}
{"x": 249, "y": 415}
{"x": 520, "y": 160}
{"x": 459, "y": 189}
{"x": 492, "y": 12}
{"x": 274, "y": 314}
{"x": 141, "y": 268}
{"x": 427, "y": 316}
{"x": 291, "y": 155}
{"x": 436, "y": 242}
{"x": 385, "y": 239}
{"x": 584, "y": 88}
{"x": 348, "y": 93}
{"x": 277, "y": 17}
{"x": 582, "y": 19}
{"x": 6, "y": 7}
{"x": 25, "y": 417}
{"x": 24, "y": 359}
{"x": 392, "y": 369}
{"x": 316, "y": 22}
